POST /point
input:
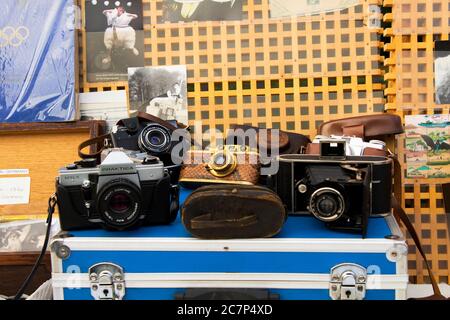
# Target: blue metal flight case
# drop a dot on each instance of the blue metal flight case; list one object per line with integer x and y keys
{"x": 305, "y": 261}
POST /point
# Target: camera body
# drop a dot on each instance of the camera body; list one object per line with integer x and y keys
{"x": 339, "y": 190}
{"x": 119, "y": 194}
{"x": 354, "y": 146}
{"x": 229, "y": 164}
{"x": 151, "y": 137}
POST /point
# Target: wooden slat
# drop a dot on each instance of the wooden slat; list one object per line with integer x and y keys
{"x": 42, "y": 148}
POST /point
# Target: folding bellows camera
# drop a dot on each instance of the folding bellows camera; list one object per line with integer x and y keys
{"x": 340, "y": 190}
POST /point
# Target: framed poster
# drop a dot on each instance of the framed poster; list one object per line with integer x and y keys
{"x": 114, "y": 39}
{"x": 428, "y": 146}
{"x": 37, "y": 61}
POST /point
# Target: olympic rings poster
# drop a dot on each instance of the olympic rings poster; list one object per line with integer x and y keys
{"x": 37, "y": 61}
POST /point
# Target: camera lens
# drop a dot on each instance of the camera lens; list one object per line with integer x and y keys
{"x": 119, "y": 204}
{"x": 222, "y": 164}
{"x": 327, "y": 204}
{"x": 155, "y": 139}
{"x": 220, "y": 160}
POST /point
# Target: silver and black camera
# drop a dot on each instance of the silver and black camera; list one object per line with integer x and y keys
{"x": 118, "y": 194}
{"x": 340, "y": 190}
{"x": 354, "y": 146}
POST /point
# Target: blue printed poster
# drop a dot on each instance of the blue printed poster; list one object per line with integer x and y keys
{"x": 37, "y": 61}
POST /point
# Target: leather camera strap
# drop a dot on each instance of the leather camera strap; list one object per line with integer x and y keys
{"x": 174, "y": 202}
{"x": 100, "y": 140}
{"x": 401, "y": 215}
{"x": 103, "y": 139}
{"x": 206, "y": 222}
{"x": 150, "y": 118}
{"x": 446, "y": 195}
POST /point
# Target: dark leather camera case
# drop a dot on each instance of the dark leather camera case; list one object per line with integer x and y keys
{"x": 289, "y": 143}
{"x": 233, "y": 212}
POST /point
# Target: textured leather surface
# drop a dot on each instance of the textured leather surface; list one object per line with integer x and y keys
{"x": 289, "y": 143}
{"x": 198, "y": 174}
{"x": 233, "y": 212}
{"x": 364, "y": 127}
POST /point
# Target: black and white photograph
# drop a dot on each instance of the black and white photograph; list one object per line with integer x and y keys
{"x": 442, "y": 71}
{"x": 289, "y": 8}
{"x": 202, "y": 10}
{"x": 114, "y": 39}
{"x": 23, "y": 236}
{"x": 159, "y": 91}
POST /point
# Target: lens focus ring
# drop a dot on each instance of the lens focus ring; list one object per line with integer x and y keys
{"x": 327, "y": 204}
{"x": 155, "y": 139}
{"x": 119, "y": 204}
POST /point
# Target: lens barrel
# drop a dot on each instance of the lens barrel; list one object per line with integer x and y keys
{"x": 119, "y": 204}
{"x": 327, "y": 204}
{"x": 155, "y": 139}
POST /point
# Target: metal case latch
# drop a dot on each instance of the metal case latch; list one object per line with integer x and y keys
{"x": 107, "y": 281}
{"x": 348, "y": 282}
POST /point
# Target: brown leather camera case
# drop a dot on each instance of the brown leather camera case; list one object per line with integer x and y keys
{"x": 233, "y": 212}
{"x": 370, "y": 126}
{"x": 365, "y": 127}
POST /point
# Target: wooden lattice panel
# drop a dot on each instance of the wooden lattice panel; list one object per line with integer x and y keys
{"x": 292, "y": 73}
{"x": 416, "y": 24}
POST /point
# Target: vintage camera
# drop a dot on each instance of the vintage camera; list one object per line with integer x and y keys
{"x": 119, "y": 194}
{"x": 150, "y": 135}
{"x": 229, "y": 164}
{"x": 354, "y": 146}
{"x": 340, "y": 190}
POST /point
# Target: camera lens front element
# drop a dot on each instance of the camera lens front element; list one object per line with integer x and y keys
{"x": 119, "y": 204}
{"x": 327, "y": 204}
{"x": 222, "y": 163}
{"x": 155, "y": 139}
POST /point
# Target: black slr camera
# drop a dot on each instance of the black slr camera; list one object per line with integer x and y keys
{"x": 342, "y": 191}
{"x": 147, "y": 134}
{"x": 118, "y": 194}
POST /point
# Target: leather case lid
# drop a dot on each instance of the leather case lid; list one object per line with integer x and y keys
{"x": 365, "y": 126}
